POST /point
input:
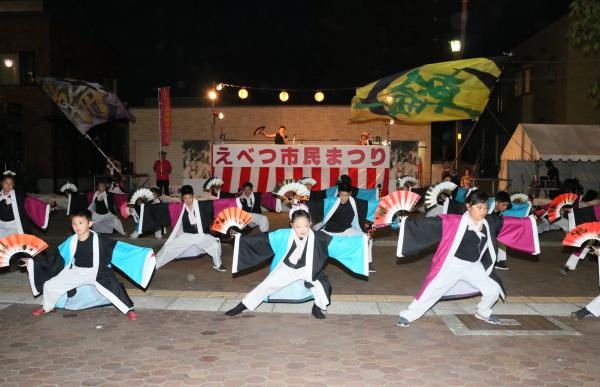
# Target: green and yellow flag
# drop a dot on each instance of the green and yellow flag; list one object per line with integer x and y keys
{"x": 446, "y": 91}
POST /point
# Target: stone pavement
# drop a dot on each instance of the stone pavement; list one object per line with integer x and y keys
{"x": 183, "y": 338}
{"x": 173, "y": 348}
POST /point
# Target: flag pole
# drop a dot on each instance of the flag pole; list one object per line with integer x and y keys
{"x": 102, "y": 153}
{"x": 159, "y": 134}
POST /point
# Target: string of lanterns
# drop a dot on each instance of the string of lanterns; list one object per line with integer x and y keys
{"x": 284, "y": 95}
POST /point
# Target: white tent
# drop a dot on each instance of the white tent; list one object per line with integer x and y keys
{"x": 574, "y": 150}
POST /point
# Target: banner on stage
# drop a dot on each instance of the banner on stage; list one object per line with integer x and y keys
{"x": 315, "y": 156}
{"x": 165, "y": 116}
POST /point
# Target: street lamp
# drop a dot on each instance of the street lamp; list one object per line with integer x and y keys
{"x": 8, "y": 63}
{"x": 455, "y": 45}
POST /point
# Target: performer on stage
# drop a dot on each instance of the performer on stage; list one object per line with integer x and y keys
{"x": 135, "y": 213}
{"x": 280, "y": 137}
{"x": 103, "y": 211}
{"x": 80, "y": 274}
{"x": 162, "y": 168}
{"x": 593, "y": 307}
{"x": 299, "y": 255}
{"x": 188, "y": 238}
{"x": 249, "y": 201}
{"x": 464, "y": 261}
{"x": 364, "y": 139}
{"x": 15, "y": 215}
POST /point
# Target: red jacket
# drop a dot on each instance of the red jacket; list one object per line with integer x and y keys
{"x": 166, "y": 169}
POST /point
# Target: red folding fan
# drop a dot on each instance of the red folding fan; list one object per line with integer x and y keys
{"x": 20, "y": 243}
{"x": 396, "y": 201}
{"x": 231, "y": 217}
{"x": 566, "y": 199}
{"x": 582, "y": 233}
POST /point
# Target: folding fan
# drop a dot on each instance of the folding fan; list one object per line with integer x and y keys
{"x": 583, "y": 233}
{"x": 293, "y": 190}
{"x": 406, "y": 179}
{"x": 68, "y": 187}
{"x": 258, "y": 130}
{"x": 566, "y": 199}
{"x": 389, "y": 205}
{"x": 124, "y": 210}
{"x": 445, "y": 187}
{"x": 143, "y": 194}
{"x": 308, "y": 181}
{"x": 231, "y": 217}
{"x": 519, "y": 198}
{"x": 20, "y": 243}
{"x": 213, "y": 181}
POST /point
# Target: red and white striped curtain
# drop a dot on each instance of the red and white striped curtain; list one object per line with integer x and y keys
{"x": 266, "y": 165}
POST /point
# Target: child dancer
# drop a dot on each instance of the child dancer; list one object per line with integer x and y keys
{"x": 463, "y": 264}
{"x": 299, "y": 255}
{"x": 82, "y": 270}
{"x": 188, "y": 238}
{"x": 103, "y": 211}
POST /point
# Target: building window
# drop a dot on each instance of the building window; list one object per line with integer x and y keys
{"x": 552, "y": 70}
{"x": 16, "y": 68}
{"x": 9, "y": 69}
{"x": 527, "y": 80}
{"x": 523, "y": 81}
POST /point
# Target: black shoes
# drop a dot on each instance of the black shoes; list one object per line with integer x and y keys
{"x": 318, "y": 313}
{"x": 237, "y": 310}
{"x": 581, "y": 314}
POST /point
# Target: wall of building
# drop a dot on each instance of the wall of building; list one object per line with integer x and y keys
{"x": 309, "y": 124}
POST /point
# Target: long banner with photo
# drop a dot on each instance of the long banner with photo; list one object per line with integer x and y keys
{"x": 266, "y": 165}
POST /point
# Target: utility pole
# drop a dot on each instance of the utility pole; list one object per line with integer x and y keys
{"x": 458, "y": 125}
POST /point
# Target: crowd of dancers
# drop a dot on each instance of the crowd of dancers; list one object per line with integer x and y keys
{"x": 470, "y": 229}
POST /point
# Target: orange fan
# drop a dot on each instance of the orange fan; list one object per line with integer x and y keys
{"x": 566, "y": 199}
{"x": 582, "y": 233}
{"x": 231, "y": 217}
{"x": 20, "y": 243}
{"x": 389, "y": 205}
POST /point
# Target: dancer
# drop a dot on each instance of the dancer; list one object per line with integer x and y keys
{"x": 593, "y": 307}
{"x": 299, "y": 255}
{"x": 80, "y": 274}
{"x": 249, "y": 201}
{"x": 135, "y": 213}
{"x": 103, "y": 211}
{"x": 15, "y": 214}
{"x": 188, "y": 238}
{"x": 464, "y": 261}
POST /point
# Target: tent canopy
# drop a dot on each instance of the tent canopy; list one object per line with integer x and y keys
{"x": 554, "y": 142}
{"x": 572, "y": 144}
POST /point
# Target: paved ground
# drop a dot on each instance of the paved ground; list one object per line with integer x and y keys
{"x": 100, "y": 347}
{"x": 182, "y": 336}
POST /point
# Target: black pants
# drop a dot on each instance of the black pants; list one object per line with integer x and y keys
{"x": 163, "y": 185}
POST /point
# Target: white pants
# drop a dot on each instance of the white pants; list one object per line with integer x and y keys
{"x": 453, "y": 271}
{"x": 8, "y": 228}
{"x": 279, "y": 278}
{"x": 561, "y": 224}
{"x": 594, "y": 306}
{"x": 501, "y": 253}
{"x": 69, "y": 278}
{"x": 104, "y": 224}
{"x": 261, "y": 221}
{"x": 577, "y": 256}
{"x": 190, "y": 245}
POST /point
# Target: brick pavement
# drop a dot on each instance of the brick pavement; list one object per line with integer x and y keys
{"x": 173, "y": 348}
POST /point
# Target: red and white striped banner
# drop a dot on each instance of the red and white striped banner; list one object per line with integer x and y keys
{"x": 367, "y": 166}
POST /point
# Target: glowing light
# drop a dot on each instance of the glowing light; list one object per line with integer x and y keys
{"x": 455, "y": 45}
{"x": 9, "y": 62}
{"x": 220, "y": 115}
{"x": 212, "y": 95}
{"x": 219, "y": 87}
{"x": 391, "y": 121}
{"x": 284, "y": 96}
{"x": 459, "y": 136}
{"x": 319, "y": 96}
{"x": 243, "y": 93}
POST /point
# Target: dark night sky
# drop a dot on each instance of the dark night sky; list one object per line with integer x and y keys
{"x": 303, "y": 44}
